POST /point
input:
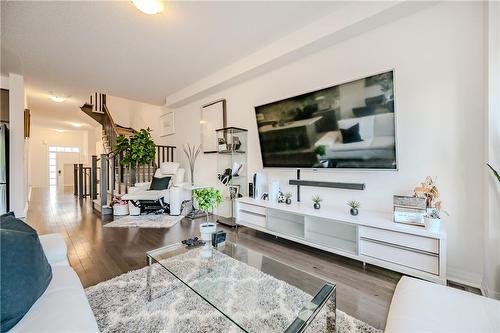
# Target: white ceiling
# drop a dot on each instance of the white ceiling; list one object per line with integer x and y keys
{"x": 76, "y": 48}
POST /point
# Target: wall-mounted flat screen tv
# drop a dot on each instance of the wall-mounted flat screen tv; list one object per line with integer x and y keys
{"x": 349, "y": 126}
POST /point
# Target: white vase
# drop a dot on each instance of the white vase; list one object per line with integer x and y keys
{"x": 432, "y": 223}
{"x": 206, "y": 231}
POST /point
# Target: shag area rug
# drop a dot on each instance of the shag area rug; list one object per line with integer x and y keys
{"x": 145, "y": 221}
{"x": 257, "y": 301}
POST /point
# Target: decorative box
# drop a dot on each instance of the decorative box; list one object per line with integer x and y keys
{"x": 219, "y": 238}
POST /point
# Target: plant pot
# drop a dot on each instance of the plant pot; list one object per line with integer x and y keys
{"x": 288, "y": 201}
{"x": 120, "y": 210}
{"x": 206, "y": 231}
{"x": 354, "y": 211}
{"x": 317, "y": 205}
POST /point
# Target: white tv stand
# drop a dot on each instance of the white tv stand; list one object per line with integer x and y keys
{"x": 370, "y": 237}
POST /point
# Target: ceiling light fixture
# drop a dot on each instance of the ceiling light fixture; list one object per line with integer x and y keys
{"x": 150, "y": 7}
{"x": 57, "y": 99}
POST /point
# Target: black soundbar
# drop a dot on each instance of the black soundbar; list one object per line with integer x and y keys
{"x": 346, "y": 186}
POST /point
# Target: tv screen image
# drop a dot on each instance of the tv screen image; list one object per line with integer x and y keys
{"x": 350, "y": 125}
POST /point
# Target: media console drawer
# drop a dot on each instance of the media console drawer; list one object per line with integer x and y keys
{"x": 252, "y": 208}
{"x": 253, "y": 218}
{"x": 422, "y": 261}
{"x": 407, "y": 240}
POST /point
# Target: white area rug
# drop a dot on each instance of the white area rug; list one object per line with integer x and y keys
{"x": 121, "y": 304}
{"x": 145, "y": 221}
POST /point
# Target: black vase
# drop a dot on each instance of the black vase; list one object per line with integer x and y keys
{"x": 317, "y": 205}
{"x": 288, "y": 201}
{"x": 354, "y": 211}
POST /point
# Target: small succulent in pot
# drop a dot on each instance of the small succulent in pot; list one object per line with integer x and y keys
{"x": 316, "y": 199}
{"x": 354, "y": 207}
{"x": 288, "y": 198}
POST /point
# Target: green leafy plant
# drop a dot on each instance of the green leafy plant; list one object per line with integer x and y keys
{"x": 320, "y": 150}
{"x": 316, "y": 199}
{"x": 494, "y": 171}
{"x": 137, "y": 150}
{"x": 354, "y": 204}
{"x": 288, "y": 195}
{"x": 208, "y": 198}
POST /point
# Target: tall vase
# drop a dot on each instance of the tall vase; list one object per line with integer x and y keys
{"x": 192, "y": 175}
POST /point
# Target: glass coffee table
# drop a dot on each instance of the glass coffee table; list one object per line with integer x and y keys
{"x": 254, "y": 292}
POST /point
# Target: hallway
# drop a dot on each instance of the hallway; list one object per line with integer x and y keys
{"x": 98, "y": 254}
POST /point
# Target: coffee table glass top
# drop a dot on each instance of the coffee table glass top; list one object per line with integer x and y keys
{"x": 253, "y": 291}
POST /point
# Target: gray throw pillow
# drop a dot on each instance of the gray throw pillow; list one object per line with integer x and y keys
{"x": 25, "y": 271}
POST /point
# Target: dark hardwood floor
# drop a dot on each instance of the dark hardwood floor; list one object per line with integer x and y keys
{"x": 98, "y": 254}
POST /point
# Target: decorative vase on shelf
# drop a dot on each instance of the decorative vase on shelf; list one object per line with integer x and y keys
{"x": 206, "y": 231}
{"x": 317, "y": 205}
{"x": 354, "y": 211}
{"x": 288, "y": 201}
{"x": 432, "y": 223}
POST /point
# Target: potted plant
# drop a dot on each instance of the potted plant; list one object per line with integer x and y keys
{"x": 207, "y": 199}
{"x": 137, "y": 150}
{"x": 430, "y": 192}
{"x": 354, "y": 207}
{"x": 320, "y": 151}
{"x": 316, "y": 199}
{"x": 120, "y": 207}
{"x": 288, "y": 198}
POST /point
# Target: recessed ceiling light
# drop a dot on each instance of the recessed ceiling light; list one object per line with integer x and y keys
{"x": 76, "y": 124}
{"x": 149, "y": 6}
{"x": 60, "y": 130}
{"x": 58, "y": 99}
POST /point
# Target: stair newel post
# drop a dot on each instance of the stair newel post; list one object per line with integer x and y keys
{"x": 80, "y": 181}
{"x": 104, "y": 180}
{"x": 113, "y": 176}
{"x": 75, "y": 179}
{"x": 133, "y": 174}
{"x": 119, "y": 166}
{"x": 93, "y": 186}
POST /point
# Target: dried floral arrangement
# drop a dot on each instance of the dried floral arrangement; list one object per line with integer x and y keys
{"x": 430, "y": 192}
{"x": 117, "y": 200}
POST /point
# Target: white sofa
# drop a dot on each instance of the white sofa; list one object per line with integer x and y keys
{"x": 421, "y": 306}
{"x": 174, "y": 195}
{"x": 376, "y": 131}
{"x": 63, "y": 307}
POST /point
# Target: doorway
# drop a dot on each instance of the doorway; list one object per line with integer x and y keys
{"x": 59, "y": 157}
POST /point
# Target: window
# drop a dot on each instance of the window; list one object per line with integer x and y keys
{"x": 53, "y": 150}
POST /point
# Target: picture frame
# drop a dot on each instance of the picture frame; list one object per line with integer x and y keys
{"x": 167, "y": 124}
{"x": 234, "y": 191}
{"x": 213, "y": 117}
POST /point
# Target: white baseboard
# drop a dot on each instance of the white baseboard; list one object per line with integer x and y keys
{"x": 488, "y": 292}
{"x": 465, "y": 278}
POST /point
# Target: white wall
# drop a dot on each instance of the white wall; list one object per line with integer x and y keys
{"x": 491, "y": 282}
{"x": 138, "y": 115}
{"x": 437, "y": 55}
{"x": 42, "y": 138}
{"x": 18, "y": 184}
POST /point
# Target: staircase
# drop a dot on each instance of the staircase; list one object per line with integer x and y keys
{"x": 107, "y": 176}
